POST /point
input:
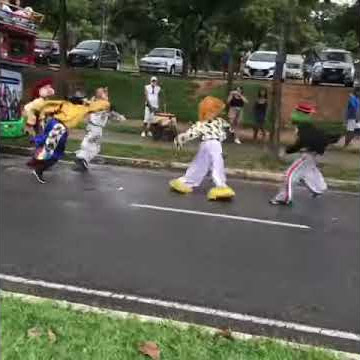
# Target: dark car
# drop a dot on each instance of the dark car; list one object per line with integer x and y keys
{"x": 47, "y": 51}
{"x": 88, "y": 54}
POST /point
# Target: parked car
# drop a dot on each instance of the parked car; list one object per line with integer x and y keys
{"x": 88, "y": 54}
{"x": 163, "y": 60}
{"x": 47, "y": 51}
{"x": 334, "y": 66}
{"x": 262, "y": 65}
{"x": 294, "y": 67}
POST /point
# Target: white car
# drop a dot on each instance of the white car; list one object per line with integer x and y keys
{"x": 294, "y": 67}
{"x": 261, "y": 65}
{"x": 163, "y": 60}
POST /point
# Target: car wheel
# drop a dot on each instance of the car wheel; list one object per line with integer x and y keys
{"x": 172, "y": 70}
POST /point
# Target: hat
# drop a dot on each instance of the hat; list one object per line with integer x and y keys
{"x": 210, "y": 108}
{"x": 305, "y": 108}
{"x": 153, "y": 78}
{"x": 40, "y": 84}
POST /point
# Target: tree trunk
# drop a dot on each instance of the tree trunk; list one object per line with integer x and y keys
{"x": 102, "y": 32}
{"x": 231, "y": 66}
{"x": 63, "y": 48}
{"x": 63, "y": 36}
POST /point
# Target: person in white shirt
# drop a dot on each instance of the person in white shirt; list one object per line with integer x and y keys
{"x": 152, "y": 103}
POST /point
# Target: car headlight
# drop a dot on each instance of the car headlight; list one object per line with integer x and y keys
{"x": 164, "y": 63}
{"x": 347, "y": 71}
{"x": 272, "y": 68}
{"x": 318, "y": 68}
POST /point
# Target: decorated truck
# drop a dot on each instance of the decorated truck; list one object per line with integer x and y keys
{"x": 18, "y": 31}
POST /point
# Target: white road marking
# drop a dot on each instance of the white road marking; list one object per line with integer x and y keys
{"x": 224, "y": 216}
{"x": 187, "y": 307}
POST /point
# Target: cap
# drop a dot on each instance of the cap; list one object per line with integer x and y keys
{"x": 305, "y": 108}
{"x": 154, "y": 78}
{"x": 38, "y": 85}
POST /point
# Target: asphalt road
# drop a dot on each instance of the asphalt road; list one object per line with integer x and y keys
{"x": 298, "y": 264}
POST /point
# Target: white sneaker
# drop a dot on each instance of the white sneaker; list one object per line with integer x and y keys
{"x": 237, "y": 141}
{"x": 143, "y": 134}
{"x": 149, "y": 134}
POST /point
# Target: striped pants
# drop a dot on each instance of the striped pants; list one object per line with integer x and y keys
{"x": 303, "y": 170}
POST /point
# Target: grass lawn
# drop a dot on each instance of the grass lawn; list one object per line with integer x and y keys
{"x": 45, "y": 331}
{"x": 254, "y": 158}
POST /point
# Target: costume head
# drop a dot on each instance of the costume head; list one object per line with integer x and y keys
{"x": 102, "y": 93}
{"x": 210, "y": 108}
{"x": 43, "y": 88}
{"x": 303, "y": 114}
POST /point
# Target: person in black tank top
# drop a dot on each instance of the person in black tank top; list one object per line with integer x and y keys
{"x": 236, "y": 102}
{"x": 260, "y": 108}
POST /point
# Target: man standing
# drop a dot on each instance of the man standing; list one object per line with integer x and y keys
{"x": 352, "y": 115}
{"x": 152, "y": 94}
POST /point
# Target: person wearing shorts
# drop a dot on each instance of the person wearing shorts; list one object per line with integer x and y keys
{"x": 236, "y": 102}
{"x": 352, "y": 116}
{"x": 152, "y": 94}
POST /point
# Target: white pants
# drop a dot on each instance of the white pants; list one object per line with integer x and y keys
{"x": 149, "y": 116}
{"x": 208, "y": 158}
{"x": 304, "y": 170}
{"x": 90, "y": 146}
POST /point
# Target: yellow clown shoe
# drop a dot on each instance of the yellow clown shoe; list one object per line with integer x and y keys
{"x": 179, "y": 186}
{"x": 221, "y": 193}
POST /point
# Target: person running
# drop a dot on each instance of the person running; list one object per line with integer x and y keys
{"x": 310, "y": 142}
{"x": 91, "y": 144}
{"x": 236, "y": 102}
{"x": 352, "y": 115}
{"x": 211, "y": 129}
{"x": 152, "y": 103}
{"x": 260, "y": 108}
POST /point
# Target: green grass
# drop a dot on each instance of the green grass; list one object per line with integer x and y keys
{"x": 92, "y": 336}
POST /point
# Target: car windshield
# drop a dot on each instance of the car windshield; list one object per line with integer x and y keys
{"x": 165, "y": 53}
{"x": 88, "y": 45}
{"x": 335, "y": 56}
{"x": 264, "y": 57}
{"x": 43, "y": 44}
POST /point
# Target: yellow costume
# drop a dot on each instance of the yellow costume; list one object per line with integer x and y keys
{"x": 68, "y": 113}
{"x": 211, "y": 129}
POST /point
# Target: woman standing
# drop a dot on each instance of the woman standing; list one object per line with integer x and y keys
{"x": 260, "y": 108}
{"x": 236, "y": 102}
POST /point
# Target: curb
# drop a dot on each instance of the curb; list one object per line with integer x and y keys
{"x": 117, "y": 314}
{"x": 255, "y": 175}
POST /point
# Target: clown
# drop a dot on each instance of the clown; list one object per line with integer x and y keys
{"x": 91, "y": 144}
{"x": 310, "y": 142}
{"x": 42, "y": 90}
{"x": 60, "y": 115}
{"x": 211, "y": 130}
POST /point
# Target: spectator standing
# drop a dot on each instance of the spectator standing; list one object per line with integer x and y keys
{"x": 260, "y": 109}
{"x": 236, "y": 102}
{"x": 152, "y": 103}
{"x": 352, "y": 115}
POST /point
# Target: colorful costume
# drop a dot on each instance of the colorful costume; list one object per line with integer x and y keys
{"x": 311, "y": 142}
{"x": 211, "y": 130}
{"x": 90, "y": 146}
{"x": 61, "y": 115}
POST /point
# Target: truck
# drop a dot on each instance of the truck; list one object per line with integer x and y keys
{"x": 18, "y": 31}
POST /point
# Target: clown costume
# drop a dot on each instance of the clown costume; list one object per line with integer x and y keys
{"x": 91, "y": 144}
{"x": 311, "y": 142}
{"x": 212, "y": 131}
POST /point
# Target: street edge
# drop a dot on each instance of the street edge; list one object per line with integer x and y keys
{"x": 157, "y": 164}
{"x": 116, "y": 314}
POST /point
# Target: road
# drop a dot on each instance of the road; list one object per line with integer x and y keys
{"x": 121, "y": 230}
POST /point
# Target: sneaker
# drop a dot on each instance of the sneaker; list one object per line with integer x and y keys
{"x": 39, "y": 177}
{"x": 143, "y": 134}
{"x": 149, "y": 134}
{"x": 280, "y": 202}
{"x": 237, "y": 141}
